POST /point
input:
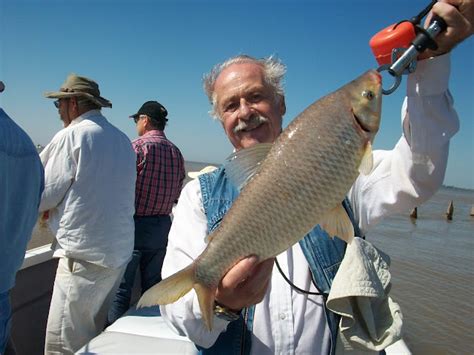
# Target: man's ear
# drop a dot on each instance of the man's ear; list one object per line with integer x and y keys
{"x": 146, "y": 122}
{"x": 74, "y": 105}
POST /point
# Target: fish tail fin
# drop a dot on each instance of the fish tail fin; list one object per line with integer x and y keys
{"x": 170, "y": 289}
{"x": 205, "y": 297}
{"x": 177, "y": 285}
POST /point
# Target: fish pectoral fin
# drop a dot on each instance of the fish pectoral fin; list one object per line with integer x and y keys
{"x": 367, "y": 160}
{"x": 243, "y": 164}
{"x": 170, "y": 289}
{"x": 206, "y": 297}
{"x": 338, "y": 224}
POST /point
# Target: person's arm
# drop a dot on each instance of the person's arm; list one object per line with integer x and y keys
{"x": 59, "y": 171}
{"x": 244, "y": 285}
{"x": 186, "y": 241}
{"x": 411, "y": 173}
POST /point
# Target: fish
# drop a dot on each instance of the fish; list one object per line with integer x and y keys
{"x": 286, "y": 189}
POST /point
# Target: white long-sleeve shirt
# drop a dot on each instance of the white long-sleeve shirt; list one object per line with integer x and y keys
{"x": 287, "y": 322}
{"x": 90, "y": 175}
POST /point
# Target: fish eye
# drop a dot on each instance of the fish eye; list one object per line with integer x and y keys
{"x": 369, "y": 95}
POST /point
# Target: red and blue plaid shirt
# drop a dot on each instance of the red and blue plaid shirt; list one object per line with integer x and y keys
{"x": 160, "y": 174}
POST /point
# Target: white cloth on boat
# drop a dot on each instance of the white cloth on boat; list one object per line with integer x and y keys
{"x": 370, "y": 320}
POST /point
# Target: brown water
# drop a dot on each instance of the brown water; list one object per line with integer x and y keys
{"x": 432, "y": 270}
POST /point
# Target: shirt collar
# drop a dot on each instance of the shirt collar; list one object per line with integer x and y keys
{"x": 154, "y": 132}
{"x": 86, "y": 115}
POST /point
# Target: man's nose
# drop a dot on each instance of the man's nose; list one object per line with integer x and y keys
{"x": 245, "y": 109}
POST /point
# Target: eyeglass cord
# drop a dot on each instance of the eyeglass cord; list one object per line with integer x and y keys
{"x": 294, "y": 286}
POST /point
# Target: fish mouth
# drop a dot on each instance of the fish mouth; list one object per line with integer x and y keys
{"x": 360, "y": 123}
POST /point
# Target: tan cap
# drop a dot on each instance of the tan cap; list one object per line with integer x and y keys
{"x": 79, "y": 86}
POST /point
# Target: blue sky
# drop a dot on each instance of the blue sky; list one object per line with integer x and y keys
{"x": 141, "y": 50}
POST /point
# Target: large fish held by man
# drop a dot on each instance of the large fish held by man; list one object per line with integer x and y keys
{"x": 289, "y": 187}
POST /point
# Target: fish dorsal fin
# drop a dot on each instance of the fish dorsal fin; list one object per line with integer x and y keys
{"x": 336, "y": 222}
{"x": 367, "y": 160}
{"x": 243, "y": 164}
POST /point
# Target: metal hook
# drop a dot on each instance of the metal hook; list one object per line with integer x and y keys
{"x": 396, "y": 83}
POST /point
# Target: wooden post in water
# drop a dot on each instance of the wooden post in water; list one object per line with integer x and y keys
{"x": 472, "y": 211}
{"x": 414, "y": 213}
{"x": 450, "y": 211}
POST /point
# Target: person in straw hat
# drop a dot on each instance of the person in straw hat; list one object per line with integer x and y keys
{"x": 89, "y": 193}
{"x": 77, "y": 91}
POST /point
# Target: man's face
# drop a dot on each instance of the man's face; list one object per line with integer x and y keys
{"x": 141, "y": 122}
{"x": 248, "y": 108}
{"x": 63, "y": 106}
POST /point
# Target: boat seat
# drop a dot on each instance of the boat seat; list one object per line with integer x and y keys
{"x": 140, "y": 331}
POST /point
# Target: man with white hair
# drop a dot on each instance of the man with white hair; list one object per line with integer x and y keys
{"x": 258, "y": 311}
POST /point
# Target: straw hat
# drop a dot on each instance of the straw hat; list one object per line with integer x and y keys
{"x": 79, "y": 86}
{"x": 207, "y": 169}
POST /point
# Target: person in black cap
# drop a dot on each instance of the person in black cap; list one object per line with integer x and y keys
{"x": 160, "y": 175}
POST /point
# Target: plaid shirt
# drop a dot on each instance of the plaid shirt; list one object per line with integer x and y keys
{"x": 160, "y": 174}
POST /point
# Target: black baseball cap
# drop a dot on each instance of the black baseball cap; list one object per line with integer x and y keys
{"x": 152, "y": 109}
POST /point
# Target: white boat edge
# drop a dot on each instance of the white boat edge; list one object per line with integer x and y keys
{"x": 37, "y": 256}
{"x": 135, "y": 332}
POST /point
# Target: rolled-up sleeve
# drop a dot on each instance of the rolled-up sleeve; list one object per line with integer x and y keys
{"x": 59, "y": 171}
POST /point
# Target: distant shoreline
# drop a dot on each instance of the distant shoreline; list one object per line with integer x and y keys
{"x": 457, "y": 188}
{"x": 39, "y": 148}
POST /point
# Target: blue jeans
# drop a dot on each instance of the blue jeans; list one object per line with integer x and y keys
{"x": 151, "y": 239}
{"x": 5, "y": 320}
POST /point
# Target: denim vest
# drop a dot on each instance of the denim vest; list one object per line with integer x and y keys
{"x": 323, "y": 254}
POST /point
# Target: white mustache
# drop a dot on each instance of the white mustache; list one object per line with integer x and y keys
{"x": 253, "y": 121}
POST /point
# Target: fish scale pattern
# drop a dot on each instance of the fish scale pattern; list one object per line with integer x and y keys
{"x": 308, "y": 172}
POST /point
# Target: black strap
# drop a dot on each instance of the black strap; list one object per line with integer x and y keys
{"x": 293, "y": 285}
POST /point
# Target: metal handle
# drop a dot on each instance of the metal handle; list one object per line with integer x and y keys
{"x": 407, "y": 61}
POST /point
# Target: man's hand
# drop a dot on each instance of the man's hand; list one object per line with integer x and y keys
{"x": 459, "y": 17}
{"x": 245, "y": 284}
